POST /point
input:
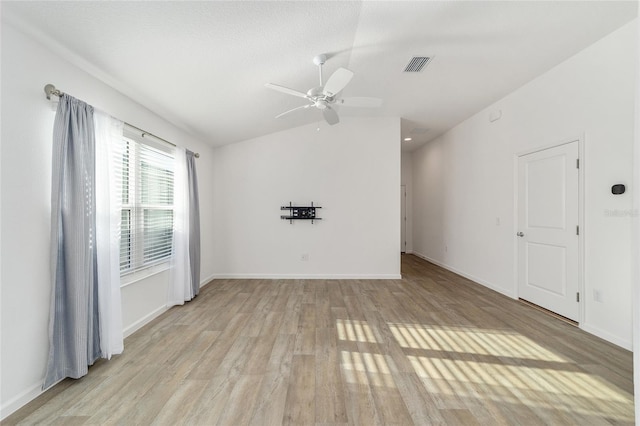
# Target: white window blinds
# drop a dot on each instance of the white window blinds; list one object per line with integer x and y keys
{"x": 147, "y": 206}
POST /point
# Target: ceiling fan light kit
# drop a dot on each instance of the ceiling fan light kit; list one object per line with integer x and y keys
{"x": 326, "y": 95}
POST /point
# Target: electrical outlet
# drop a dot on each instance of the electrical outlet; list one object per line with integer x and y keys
{"x": 304, "y": 257}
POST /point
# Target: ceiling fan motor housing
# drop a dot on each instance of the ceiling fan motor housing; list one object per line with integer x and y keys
{"x": 319, "y": 99}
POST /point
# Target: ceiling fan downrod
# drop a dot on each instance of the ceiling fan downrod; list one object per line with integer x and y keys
{"x": 319, "y": 61}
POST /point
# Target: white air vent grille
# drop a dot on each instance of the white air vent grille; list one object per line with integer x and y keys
{"x": 417, "y": 63}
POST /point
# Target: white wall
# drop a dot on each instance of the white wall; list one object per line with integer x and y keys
{"x": 351, "y": 170}
{"x": 635, "y": 240}
{"x": 27, "y": 123}
{"x": 464, "y": 180}
{"x": 406, "y": 179}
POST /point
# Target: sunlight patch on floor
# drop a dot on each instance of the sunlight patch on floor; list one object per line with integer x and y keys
{"x": 471, "y": 341}
{"x": 520, "y": 384}
{"x": 355, "y": 331}
{"x": 366, "y": 369}
{"x": 488, "y": 365}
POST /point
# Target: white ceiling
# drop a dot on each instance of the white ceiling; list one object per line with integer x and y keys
{"x": 203, "y": 65}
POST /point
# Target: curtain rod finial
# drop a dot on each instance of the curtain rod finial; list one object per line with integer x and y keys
{"x": 49, "y": 89}
{"x": 197, "y": 155}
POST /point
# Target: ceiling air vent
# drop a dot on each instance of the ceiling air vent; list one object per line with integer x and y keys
{"x": 417, "y": 63}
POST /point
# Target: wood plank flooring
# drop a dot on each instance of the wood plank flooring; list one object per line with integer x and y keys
{"x": 432, "y": 348}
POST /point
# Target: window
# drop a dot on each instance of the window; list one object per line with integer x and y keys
{"x": 147, "y": 205}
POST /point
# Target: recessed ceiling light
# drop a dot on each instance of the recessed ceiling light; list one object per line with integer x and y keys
{"x": 407, "y": 139}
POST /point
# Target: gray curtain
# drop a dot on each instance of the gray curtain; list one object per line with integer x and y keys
{"x": 74, "y": 333}
{"x": 194, "y": 222}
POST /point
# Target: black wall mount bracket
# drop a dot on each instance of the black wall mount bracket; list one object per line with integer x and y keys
{"x": 300, "y": 213}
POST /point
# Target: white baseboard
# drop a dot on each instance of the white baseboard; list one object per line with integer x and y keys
{"x": 207, "y": 280}
{"x": 128, "y": 331}
{"x": 308, "y": 276}
{"x": 19, "y": 401}
{"x": 605, "y": 335}
{"x": 480, "y": 281}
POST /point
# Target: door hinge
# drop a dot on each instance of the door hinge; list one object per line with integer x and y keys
{"x": 577, "y": 229}
{"x": 578, "y": 297}
{"x": 577, "y": 163}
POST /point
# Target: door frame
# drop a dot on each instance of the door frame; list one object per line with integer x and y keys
{"x": 403, "y": 219}
{"x": 581, "y": 204}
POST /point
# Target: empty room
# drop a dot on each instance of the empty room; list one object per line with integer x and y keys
{"x": 319, "y": 212}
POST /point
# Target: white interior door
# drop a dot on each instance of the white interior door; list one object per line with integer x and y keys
{"x": 548, "y": 240}
{"x": 403, "y": 218}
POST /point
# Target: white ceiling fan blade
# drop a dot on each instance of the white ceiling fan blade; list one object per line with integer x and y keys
{"x": 337, "y": 82}
{"x": 286, "y": 90}
{"x": 360, "y": 102}
{"x": 330, "y": 115}
{"x": 294, "y": 109}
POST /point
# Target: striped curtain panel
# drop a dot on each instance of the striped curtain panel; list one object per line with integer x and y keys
{"x": 74, "y": 329}
{"x": 85, "y": 320}
{"x": 194, "y": 222}
{"x": 184, "y": 280}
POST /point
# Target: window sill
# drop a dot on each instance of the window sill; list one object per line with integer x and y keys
{"x": 133, "y": 278}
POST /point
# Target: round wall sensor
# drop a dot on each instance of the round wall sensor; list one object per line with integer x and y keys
{"x": 618, "y": 189}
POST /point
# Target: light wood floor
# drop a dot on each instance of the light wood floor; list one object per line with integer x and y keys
{"x": 432, "y": 348}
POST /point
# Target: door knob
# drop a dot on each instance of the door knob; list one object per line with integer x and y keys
{"x": 520, "y": 234}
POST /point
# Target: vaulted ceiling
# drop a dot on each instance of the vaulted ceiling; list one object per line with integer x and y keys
{"x": 203, "y": 65}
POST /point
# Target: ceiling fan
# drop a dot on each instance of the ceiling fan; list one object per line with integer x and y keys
{"x": 325, "y": 96}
